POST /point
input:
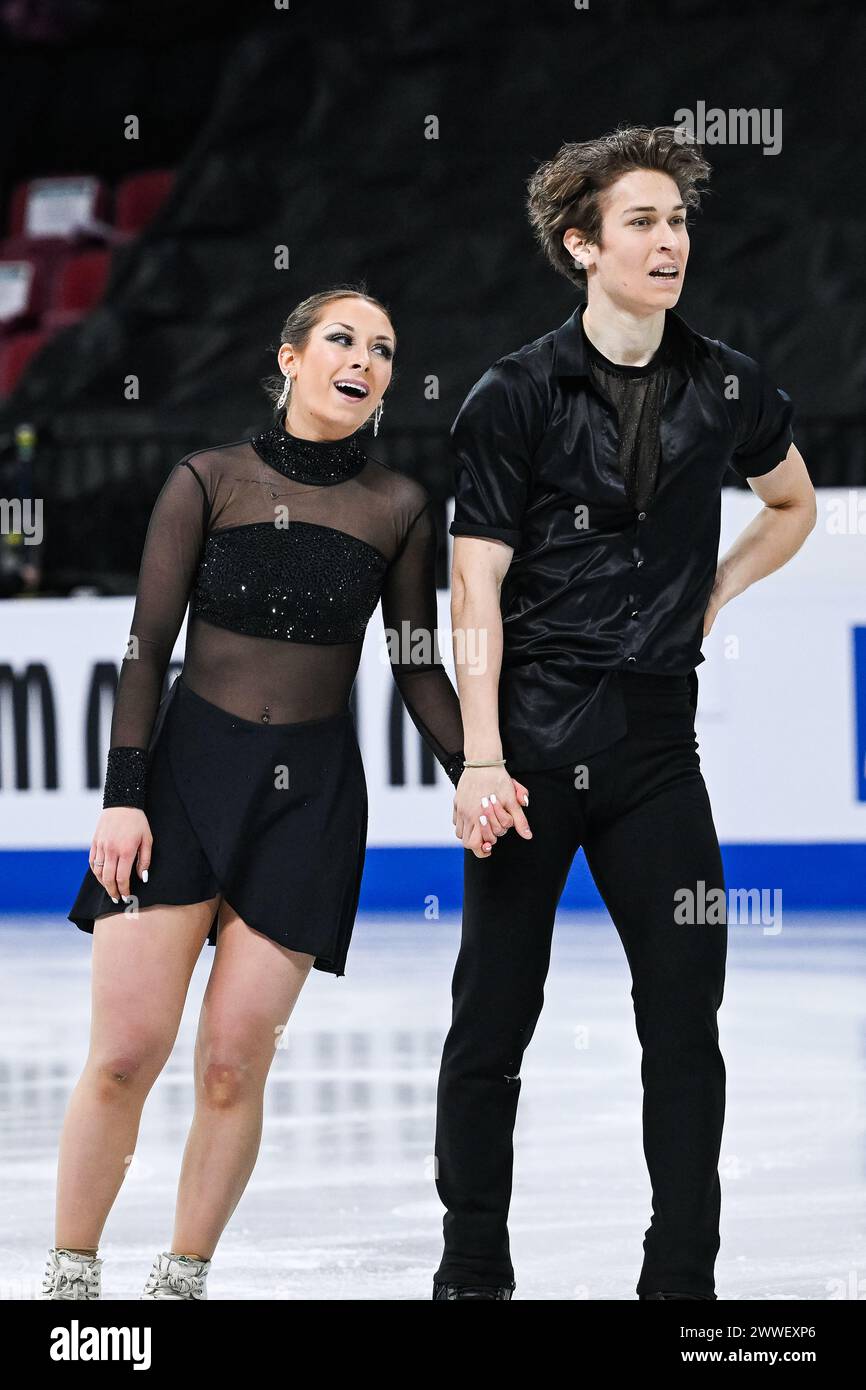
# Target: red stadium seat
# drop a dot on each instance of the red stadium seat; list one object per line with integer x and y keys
{"x": 63, "y": 205}
{"x": 55, "y": 248}
{"x": 140, "y": 197}
{"x": 28, "y": 270}
{"x": 79, "y": 285}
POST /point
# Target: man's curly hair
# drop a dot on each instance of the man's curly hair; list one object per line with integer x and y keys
{"x": 566, "y": 191}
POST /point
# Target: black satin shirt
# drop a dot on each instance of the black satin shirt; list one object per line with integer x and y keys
{"x": 601, "y": 586}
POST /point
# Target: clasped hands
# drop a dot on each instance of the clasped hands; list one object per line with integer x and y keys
{"x": 487, "y": 804}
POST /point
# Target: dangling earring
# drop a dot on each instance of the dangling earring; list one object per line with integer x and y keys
{"x": 285, "y": 392}
{"x": 377, "y": 415}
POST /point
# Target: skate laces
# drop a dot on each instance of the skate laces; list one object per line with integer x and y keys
{"x": 169, "y": 1276}
{"x": 71, "y": 1274}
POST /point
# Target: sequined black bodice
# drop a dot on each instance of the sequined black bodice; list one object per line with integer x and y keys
{"x": 302, "y": 583}
{"x": 282, "y": 547}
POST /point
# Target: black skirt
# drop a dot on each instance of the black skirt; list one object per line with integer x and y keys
{"x": 272, "y": 816}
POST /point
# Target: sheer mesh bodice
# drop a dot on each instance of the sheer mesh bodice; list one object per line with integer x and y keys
{"x": 283, "y": 548}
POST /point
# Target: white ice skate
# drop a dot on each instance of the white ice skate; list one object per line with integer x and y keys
{"x": 70, "y": 1275}
{"x": 176, "y": 1276}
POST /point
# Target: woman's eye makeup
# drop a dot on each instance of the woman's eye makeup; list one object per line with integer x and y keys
{"x": 346, "y": 338}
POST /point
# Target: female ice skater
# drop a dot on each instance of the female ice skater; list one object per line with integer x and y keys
{"x": 589, "y": 470}
{"x": 236, "y": 805}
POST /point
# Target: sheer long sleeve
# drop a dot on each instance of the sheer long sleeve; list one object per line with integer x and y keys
{"x": 409, "y": 610}
{"x": 172, "y": 549}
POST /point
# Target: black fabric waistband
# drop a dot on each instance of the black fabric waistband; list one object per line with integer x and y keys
{"x": 218, "y": 714}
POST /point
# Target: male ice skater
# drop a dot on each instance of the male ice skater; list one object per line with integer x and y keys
{"x": 586, "y": 574}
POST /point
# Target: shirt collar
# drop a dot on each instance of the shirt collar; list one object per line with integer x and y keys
{"x": 570, "y": 357}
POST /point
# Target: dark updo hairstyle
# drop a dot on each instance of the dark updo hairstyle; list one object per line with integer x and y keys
{"x": 566, "y": 191}
{"x": 300, "y": 324}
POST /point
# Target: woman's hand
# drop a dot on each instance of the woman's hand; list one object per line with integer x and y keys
{"x": 121, "y": 833}
{"x": 487, "y": 803}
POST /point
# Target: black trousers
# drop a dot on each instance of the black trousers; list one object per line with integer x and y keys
{"x": 644, "y": 821}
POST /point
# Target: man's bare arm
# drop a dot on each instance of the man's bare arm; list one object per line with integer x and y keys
{"x": 478, "y": 568}
{"x": 773, "y": 536}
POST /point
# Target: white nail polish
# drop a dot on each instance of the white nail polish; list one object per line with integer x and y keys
{"x": 492, "y": 796}
{"x": 526, "y": 801}
{"x": 144, "y": 876}
{"x": 485, "y": 801}
{"x": 483, "y": 820}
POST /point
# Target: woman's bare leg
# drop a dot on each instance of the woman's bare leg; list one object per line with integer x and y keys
{"x": 142, "y": 965}
{"x": 253, "y": 986}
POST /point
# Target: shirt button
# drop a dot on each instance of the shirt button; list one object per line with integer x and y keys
{"x": 631, "y": 658}
{"x": 641, "y": 516}
{"x": 635, "y": 613}
{"x": 638, "y": 564}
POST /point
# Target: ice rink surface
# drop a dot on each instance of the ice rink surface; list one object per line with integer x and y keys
{"x": 342, "y": 1204}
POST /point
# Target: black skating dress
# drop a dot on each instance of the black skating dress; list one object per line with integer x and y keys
{"x": 248, "y": 768}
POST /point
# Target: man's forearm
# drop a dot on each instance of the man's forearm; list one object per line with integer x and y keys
{"x": 476, "y": 625}
{"x": 767, "y": 543}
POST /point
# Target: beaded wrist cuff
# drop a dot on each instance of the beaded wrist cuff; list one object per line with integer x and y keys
{"x": 125, "y": 778}
{"x": 454, "y": 767}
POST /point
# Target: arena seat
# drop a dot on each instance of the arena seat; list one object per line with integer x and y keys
{"x": 139, "y": 198}
{"x": 78, "y": 286}
{"x": 28, "y": 274}
{"x": 59, "y": 206}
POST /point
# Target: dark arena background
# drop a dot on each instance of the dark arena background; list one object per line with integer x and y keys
{"x": 174, "y": 177}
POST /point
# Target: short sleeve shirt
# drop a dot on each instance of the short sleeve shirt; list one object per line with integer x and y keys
{"x": 611, "y": 501}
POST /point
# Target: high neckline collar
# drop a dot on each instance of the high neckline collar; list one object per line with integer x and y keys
{"x": 322, "y": 461}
